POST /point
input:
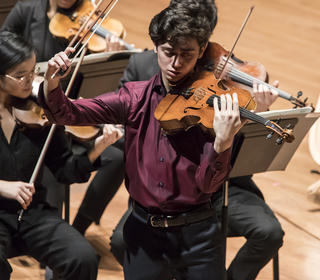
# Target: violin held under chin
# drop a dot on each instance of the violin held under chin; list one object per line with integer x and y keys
{"x": 191, "y": 104}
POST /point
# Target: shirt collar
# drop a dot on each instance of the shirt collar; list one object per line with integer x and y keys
{"x": 158, "y": 86}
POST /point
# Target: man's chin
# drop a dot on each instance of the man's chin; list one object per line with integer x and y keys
{"x": 174, "y": 80}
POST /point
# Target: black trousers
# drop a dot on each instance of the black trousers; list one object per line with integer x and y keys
{"x": 50, "y": 240}
{"x": 104, "y": 185}
{"x": 191, "y": 251}
{"x": 248, "y": 216}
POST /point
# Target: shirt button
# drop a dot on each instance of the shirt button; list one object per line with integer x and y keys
{"x": 161, "y": 159}
{"x": 161, "y": 184}
{"x": 218, "y": 165}
{"x": 163, "y": 133}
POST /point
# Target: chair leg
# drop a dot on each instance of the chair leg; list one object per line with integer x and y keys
{"x": 276, "y": 267}
{"x": 224, "y": 224}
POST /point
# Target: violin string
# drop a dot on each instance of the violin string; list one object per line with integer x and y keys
{"x": 246, "y": 76}
{"x": 103, "y": 33}
{"x": 96, "y": 27}
{"x": 248, "y": 80}
{"x": 243, "y": 112}
{"x": 84, "y": 24}
{"x": 81, "y": 39}
{"x": 237, "y": 39}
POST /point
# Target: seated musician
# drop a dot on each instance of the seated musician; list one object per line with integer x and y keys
{"x": 40, "y": 233}
{"x": 31, "y": 20}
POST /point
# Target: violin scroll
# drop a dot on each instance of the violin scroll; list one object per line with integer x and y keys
{"x": 284, "y": 133}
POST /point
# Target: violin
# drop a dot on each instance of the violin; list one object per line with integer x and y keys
{"x": 242, "y": 74}
{"x": 30, "y": 114}
{"x": 67, "y": 26}
{"x": 192, "y": 104}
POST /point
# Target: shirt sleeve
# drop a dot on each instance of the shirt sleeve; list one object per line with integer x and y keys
{"x": 213, "y": 169}
{"x": 110, "y": 108}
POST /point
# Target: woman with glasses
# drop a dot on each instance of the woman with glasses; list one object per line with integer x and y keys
{"x": 41, "y": 233}
{"x": 30, "y": 19}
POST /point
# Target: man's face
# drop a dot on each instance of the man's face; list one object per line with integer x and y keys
{"x": 176, "y": 62}
{"x": 65, "y": 4}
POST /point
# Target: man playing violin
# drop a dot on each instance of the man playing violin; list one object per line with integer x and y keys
{"x": 41, "y": 233}
{"x": 248, "y": 214}
{"x": 172, "y": 232}
{"x": 31, "y": 19}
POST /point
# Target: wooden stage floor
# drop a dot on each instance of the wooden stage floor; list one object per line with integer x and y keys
{"x": 284, "y": 35}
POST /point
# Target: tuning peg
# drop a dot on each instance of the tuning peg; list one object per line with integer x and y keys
{"x": 269, "y": 136}
{"x": 299, "y": 93}
{"x": 279, "y": 141}
{"x": 288, "y": 125}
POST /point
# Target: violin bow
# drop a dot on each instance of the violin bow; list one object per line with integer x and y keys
{"x": 51, "y": 132}
{"x": 105, "y": 12}
{"x": 236, "y": 41}
{"x": 83, "y": 51}
{"x": 295, "y": 101}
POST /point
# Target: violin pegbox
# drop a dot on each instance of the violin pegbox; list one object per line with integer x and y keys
{"x": 284, "y": 133}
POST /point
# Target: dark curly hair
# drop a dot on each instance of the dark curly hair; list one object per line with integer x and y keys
{"x": 207, "y": 7}
{"x": 176, "y": 22}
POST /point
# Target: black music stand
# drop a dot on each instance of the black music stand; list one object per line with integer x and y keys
{"x": 253, "y": 153}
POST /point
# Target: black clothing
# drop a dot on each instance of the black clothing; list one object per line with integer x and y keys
{"x": 50, "y": 240}
{"x": 29, "y": 19}
{"x": 249, "y": 216}
{"x": 174, "y": 252}
{"x": 19, "y": 157}
{"x": 103, "y": 187}
{"x": 141, "y": 67}
{"x": 41, "y": 233}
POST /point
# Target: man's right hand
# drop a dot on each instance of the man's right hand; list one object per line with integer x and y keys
{"x": 59, "y": 61}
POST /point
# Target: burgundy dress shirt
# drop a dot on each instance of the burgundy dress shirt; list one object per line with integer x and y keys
{"x": 164, "y": 173}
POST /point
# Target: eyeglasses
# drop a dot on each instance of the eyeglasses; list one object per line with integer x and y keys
{"x": 21, "y": 81}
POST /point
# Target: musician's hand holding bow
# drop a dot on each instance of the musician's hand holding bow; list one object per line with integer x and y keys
{"x": 226, "y": 122}
{"x": 60, "y": 61}
{"x": 111, "y": 133}
{"x": 17, "y": 190}
{"x": 114, "y": 44}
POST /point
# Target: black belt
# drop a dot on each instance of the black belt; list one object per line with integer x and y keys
{"x": 202, "y": 212}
